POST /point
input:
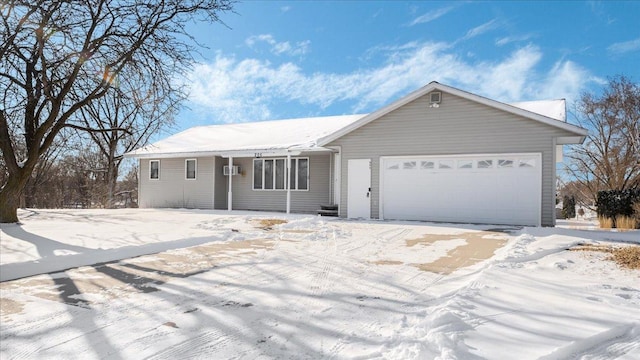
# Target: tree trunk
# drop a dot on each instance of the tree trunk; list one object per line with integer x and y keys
{"x": 10, "y": 197}
{"x": 9, "y": 209}
{"x": 112, "y": 175}
{"x": 11, "y": 193}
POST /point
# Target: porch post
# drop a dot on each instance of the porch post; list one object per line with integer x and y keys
{"x": 230, "y": 196}
{"x": 288, "y": 186}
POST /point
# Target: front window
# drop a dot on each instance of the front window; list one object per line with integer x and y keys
{"x": 271, "y": 174}
{"x": 154, "y": 169}
{"x": 190, "y": 169}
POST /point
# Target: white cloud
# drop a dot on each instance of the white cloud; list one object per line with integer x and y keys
{"x": 430, "y": 16}
{"x": 285, "y": 8}
{"x": 234, "y": 90}
{"x": 279, "y": 48}
{"x": 481, "y": 29}
{"x": 509, "y": 39}
{"x": 624, "y": 47}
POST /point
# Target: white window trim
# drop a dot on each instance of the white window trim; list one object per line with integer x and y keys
{"x": 195, "y": 168}
{"x": 152, "y": 161}
{"x": 294, "y": 163}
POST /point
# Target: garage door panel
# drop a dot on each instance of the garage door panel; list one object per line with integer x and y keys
{"x": 507, "y": 192}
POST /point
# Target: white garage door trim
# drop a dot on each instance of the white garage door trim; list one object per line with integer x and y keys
{"x": 459, "y": 160}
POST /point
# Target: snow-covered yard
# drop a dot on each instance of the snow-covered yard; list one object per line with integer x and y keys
{"x": 168, "y": 284}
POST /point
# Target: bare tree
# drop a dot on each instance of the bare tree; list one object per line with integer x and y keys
{"x": 45, "y": 181}
{"x": 137, "y": 105}
{"x": 609, "y": 159}
{"x": 56, "y": 57}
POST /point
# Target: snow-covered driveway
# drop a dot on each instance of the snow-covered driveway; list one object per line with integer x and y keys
{"x": 228, "y": 286}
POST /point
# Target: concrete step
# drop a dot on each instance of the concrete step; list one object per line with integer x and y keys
{"x": 324, "y": 212}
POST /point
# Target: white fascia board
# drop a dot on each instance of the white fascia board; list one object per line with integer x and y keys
{"x": 224, "y": 154}
{"x": 566, "y": 140}
{"x": 170, "y": 155}
{"x": 312, "y": 149}
{"x": 293, "y": 151}
{"x": 258, "y": 153}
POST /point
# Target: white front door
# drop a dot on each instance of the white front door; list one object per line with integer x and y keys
{"x": 359, "y": 188}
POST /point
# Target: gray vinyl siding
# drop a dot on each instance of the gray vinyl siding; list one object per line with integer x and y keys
{"x": 245, "y": 198}
{"x": 172, "y": 190}
{"x": 458, "y": 126}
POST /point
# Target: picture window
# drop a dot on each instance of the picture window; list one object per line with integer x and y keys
{"x": 271, "y": 174}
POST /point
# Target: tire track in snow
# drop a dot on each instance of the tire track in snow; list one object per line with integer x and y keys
{"x": 372, "y": 328}
{"x": 217, "y": 340}
{"x": 320, "y": 281}
{"x": 207, "y": 339}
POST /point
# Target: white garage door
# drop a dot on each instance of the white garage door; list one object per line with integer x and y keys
{"x": 492, "y": 189}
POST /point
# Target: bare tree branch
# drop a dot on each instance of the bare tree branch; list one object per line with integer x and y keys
{"x": 58, "y": 57}
{"x": 609, "y": 158}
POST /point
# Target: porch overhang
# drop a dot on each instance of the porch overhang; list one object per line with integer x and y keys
{"x": 292, "y": 151}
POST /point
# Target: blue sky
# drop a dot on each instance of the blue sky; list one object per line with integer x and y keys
{"x": 278, "y": 60}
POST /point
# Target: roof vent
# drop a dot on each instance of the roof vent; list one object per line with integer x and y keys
{"x": 435, "y": 97}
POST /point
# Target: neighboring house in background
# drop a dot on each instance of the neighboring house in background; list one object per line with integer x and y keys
{"x": 437, "y": 154}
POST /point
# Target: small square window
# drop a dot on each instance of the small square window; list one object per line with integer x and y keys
{"x": 154, "y": 169}
{"x": 505, "y": 163}
{"x": 427, "y": 165}
{"x": 485, "y": 164}
{"x": 408, "y": 165}
{"x": 465, "y": 164}
{"x": 445, "y": 164}
{"x": 393, "y": 166}
{"x": 527, "y": 163}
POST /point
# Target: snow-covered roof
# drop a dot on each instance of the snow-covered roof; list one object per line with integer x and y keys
{"x": 555, "y": 109}
{"x": 307, "y": 134}
{"x": 263, "y": 136}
